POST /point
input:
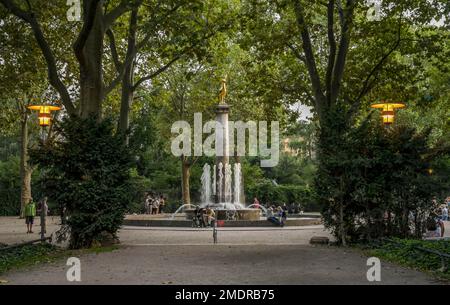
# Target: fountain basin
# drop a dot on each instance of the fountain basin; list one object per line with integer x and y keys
{"x": 180, "y": 221}
{"x": 225, "y": 214}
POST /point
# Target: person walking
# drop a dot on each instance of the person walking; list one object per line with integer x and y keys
{"x": 445, "y": 213}
{"x": 30, "y": 213}
{"x": 43, "y": 212}
{"x": 148, "y": 204}
{"x": 283, "y": 217}
{"x": 162, "y": 203}
{"x": 155, "y": 205}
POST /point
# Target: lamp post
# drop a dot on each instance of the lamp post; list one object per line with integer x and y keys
{"x": 388, "y": 111}
{"x": 45, "y": 119}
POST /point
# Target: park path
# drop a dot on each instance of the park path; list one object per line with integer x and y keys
{"x": 257, "y": 256}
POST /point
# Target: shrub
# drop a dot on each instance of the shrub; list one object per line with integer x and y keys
{"x": 410, "y": 252}
{"x": 86, "y": 170}
{"x": 27, "y": 255}
{"x": 10, "y": 187}
{"x": 269, "y": 193}
{"x": 373, "y": 181}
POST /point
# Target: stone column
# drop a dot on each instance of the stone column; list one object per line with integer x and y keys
{"x": 222, "y": 149}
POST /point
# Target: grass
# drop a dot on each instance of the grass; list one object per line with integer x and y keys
{"x": 28, "y": 256}
{"x": 36, "y": 254}
{"x": 404, "y": 252}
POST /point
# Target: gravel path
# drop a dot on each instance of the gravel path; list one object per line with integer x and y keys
{"x": 243, "y": 256}
{"x": 221, "y": 264}
{"x": 13, "y": 230}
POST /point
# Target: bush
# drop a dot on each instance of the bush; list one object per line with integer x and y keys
{"x": 139, "y": 185}
{"x": 87, "y": 171}
{"x": 373, "y": 181}
{"x": 406, "y": 252}
{"x": 269, "y": 193}
{"x": 10, "y": 187}
{"x": 26, "y": 256}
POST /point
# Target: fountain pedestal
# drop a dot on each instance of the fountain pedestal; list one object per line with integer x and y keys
{"x": 222, "y": 152}
{"x": 219, "y": 195}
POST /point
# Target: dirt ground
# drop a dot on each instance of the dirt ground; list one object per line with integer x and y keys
{"x": 13, "y": 230}
{"x": 188, "y": 256}
{"x": 221, "y": 264}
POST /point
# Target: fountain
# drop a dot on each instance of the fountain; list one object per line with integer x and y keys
{"x": 183, "y": 206}
{"x": 221, "y": 188}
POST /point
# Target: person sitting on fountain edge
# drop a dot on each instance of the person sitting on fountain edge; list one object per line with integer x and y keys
{"x": 271, "y": 217}
{"x": 256, "y": 203}
{"x": 198, "y": 218}
{"x": 209, "y": 216}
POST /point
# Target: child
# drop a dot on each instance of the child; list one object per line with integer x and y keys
{"x": 30, "y": 213}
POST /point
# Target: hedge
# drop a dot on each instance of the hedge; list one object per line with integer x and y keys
{"x": 269, "y": 193}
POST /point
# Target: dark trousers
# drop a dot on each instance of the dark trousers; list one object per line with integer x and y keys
{"x": 274, "y": 220}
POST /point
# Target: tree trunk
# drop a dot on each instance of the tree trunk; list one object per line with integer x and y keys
{"x": 25, "y": 170}
{"x": 186, "y": 167}
{"x": 342, "y": 231}
{"x": 126, "y": 101}
{"x": 342, "y": 225}
{"x": 91, "y": 71}
{"x": 127, "y": 79}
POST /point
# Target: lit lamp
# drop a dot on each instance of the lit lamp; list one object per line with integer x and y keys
{"x": 388, "y": 111}
{"x": 44, "y": 114}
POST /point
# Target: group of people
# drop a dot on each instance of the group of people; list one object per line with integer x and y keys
{"x": 292, "y": 208}
{"x": 435, "y": 223}
{"x": 204, "y": 217}
{"x": 30, "y": 211}
{"x": 276, "y": 215}
{"x": 154, "y": 204}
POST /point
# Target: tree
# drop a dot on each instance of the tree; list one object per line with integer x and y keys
{"x": 337, "y": 46}
{"x": 85, "y": 98}
{"x": 170, "y": 31}
{"x": 20, "y": 86}
{"x": 87, "y": 171}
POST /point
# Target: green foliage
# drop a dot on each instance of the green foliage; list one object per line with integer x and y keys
{"x": 139, "y": 185}
{"x": 406, "y": 252}
{"x": 9, "y": 147}
{"x": 87, "y": 171}
{"x": 271, "y": 194}
{"x": 9, "y": 187}
{"x": 292, "y": 170}
{"x": 25, "y": 256}
{"x": 371, "y": 178}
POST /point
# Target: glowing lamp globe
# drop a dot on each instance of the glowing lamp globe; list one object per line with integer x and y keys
{"x": 44, "y": 114}
{"x": 388, "y": 110}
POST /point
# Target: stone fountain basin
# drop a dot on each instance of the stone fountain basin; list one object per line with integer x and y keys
{"x": 221, "y": 214}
